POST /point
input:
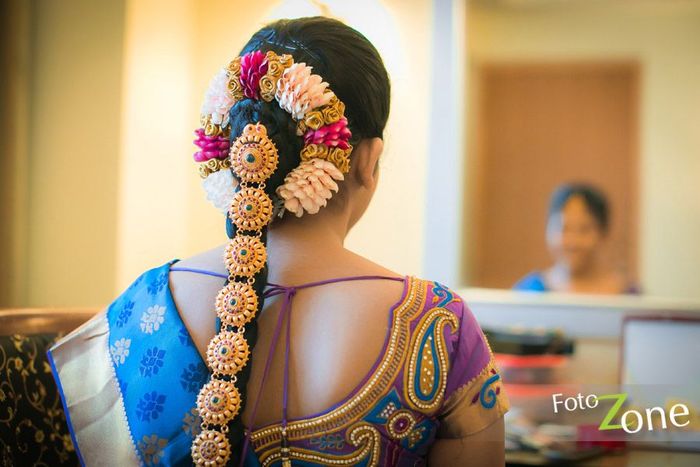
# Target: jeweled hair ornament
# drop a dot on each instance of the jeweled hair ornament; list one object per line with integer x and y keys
{"x": 234, "y": 176}
{"x": 318, "y": 112}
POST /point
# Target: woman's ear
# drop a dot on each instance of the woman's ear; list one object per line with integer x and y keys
{"x": 365, "y": 159}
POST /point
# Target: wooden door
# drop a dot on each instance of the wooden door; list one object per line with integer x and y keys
{"x": 538, "y": 126}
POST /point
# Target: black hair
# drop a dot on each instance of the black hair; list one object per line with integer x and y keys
{"x": 351, "y": 65}
{"x": 594, "y": 199}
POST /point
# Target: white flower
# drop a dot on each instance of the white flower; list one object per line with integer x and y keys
{"x": 220, "y": 188}
{"x": 152, "y": 318}
{"x": 120, "y": 350}
{"x": 217, "y": 100}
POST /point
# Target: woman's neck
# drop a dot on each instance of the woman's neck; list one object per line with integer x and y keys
{"x": 595, "y": 278}
{"x": 307, "y": 242}
{"x": 589, "y": 272}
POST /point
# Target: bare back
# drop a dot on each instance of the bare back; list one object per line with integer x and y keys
{"x": 337, "y": 330}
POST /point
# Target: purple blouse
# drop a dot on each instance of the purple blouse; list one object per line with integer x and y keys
{"x": 435, "y": 377}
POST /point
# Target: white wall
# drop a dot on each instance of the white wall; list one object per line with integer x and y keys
{"x": 72, "y": 145}
{"x": 174, "y": 48}
{"x": 663, "y": 37}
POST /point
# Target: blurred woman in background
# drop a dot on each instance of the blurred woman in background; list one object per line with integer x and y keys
{"x": 577, "y": 228}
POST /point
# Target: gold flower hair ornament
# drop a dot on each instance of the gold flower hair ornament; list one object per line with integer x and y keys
{"x": 317, "y": 111}
{"x": 234, "y": 177}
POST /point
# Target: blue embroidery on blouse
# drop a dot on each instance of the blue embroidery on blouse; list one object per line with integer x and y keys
{"x": 428, "y": 338}
{"x": 491, "y": 401}
{"x": 444, "y": 293}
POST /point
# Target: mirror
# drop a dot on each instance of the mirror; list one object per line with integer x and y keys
{"x": 572, "y": 107}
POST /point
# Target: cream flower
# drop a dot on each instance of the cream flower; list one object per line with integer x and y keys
{"x": 298, "y": 91}
{"x": 120, "y": 350}
{"x": 152, "y": 318}
{"x": 218, "y": 100}
{"x": 220, "y": 187}
{"x": 309, "y": 186}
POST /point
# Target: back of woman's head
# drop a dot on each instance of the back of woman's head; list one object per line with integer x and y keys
{"x": 344, "y": 58}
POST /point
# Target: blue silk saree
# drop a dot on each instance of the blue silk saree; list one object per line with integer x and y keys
{"x": 130, "y": 376}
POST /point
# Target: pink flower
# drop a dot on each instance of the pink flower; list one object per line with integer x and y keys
{"x": 253, "y": 67}
{"x": 334, "y": 135}
{"x": 211, "y": 147}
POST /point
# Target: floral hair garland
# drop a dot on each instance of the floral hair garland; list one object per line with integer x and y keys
{"x": 316, "y": 110}
{"x": 235, "y": 175}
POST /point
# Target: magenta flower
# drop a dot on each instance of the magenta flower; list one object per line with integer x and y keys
{"x": 334, "y": 135}
{"x": 253, "y": 67}
{"x": 211, "y": 147}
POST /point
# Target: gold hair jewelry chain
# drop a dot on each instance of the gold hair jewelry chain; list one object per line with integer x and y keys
{"x": 254, "y": 159}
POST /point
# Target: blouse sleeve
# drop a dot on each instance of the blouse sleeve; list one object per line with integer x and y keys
{"x": 474, "y": 395}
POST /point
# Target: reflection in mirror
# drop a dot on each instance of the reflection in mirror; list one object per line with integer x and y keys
{"x": 579, "y": 148}
{"x": 577, "y": 229}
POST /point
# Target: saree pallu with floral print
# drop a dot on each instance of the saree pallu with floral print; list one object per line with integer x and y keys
{"x": 129, "y": 379}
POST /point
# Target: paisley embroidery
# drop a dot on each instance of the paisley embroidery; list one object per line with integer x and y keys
{"x": 400, "y": 424}
{"x": 426, "y": 377}
{"x": 487, "y": 395}
{"x": 442, "y": 296}
{"x": 491, "y": 392}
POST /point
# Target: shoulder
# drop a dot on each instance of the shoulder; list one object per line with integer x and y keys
{"x": 148, "y": 287}
{"x": 471, "y": 396}
{"x": 444, "y": 316}
{"x": 533, "y": 281}
{"x": 467, "y": 349}
{"x": 437, "y": 296}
